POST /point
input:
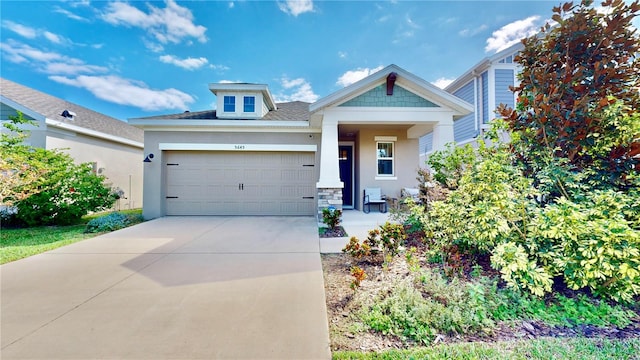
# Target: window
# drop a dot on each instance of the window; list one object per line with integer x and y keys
{"x": 229, "y": 104}
{"x": 249, "y": 104}
{"x": 385, "y": 158}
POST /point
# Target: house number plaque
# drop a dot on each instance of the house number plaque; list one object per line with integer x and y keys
{"x": 239, "y": 147}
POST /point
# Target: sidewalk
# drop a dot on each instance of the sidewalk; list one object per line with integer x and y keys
{"x": 356, "y": 223}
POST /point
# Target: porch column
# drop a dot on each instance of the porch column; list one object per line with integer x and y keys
{"x": 442, "y": 134}
{"x": 329, "y": 185}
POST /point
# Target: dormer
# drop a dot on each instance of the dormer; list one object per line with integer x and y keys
{"x": 242, "y": 101}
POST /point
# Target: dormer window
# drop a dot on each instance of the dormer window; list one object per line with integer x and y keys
{"x": 249, "y": 104}
{"x": 229, "y": 104}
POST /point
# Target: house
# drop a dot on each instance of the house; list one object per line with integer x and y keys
{"x": 112, "y": 146}
{"x": 253, "y": 156}
{"x": 485, "y": 85}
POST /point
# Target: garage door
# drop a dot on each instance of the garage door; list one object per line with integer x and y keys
{"x": 240, "y": 183}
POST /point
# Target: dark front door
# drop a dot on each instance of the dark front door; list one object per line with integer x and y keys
{"x": 345, "y": 154}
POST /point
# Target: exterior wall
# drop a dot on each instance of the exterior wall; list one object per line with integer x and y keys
{"x": 484, "y": 88}
{"x": 377, "y": 97}
{"x": 37, "y": 133}
{"x": 120, "y": 164}
{"x": 154, "y": 175}
{"x": 426, "y": 143}
{"x": 406, "y": 162}
{"x": 504, "y": 79}
{"x": 465, "y": 127}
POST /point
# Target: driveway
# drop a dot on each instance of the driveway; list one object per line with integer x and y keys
{"x": 172, "y": 288}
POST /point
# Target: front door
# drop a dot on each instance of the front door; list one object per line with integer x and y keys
{"x": 345, "y": 153}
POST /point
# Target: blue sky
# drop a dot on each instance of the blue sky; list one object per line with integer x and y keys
{"x": 131, "y": 59}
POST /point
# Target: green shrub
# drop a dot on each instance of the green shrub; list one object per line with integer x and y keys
{"x": 451, "y": 163}
{"x": 331, "y": 217}
{"x": 111, "y": 222}
{"x": 69, "y": 192}
{"x": 388, "y": 238}
{"x": 420, "y": 309}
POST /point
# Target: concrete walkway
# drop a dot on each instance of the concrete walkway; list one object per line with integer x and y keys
{"x": 172, "y": 288}
{"x": 355, "y": 223}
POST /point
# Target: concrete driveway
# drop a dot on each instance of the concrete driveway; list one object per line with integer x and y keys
{"x": 172, "y": 288}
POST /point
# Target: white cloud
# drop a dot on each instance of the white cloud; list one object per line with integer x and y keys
{"x": 512, "y": 33}
{"x": 352, "y": 76}
{"x": 129, "y": 92}
{"x": 342, "y": 54}
{"x": 231, "y": 4}
{"x": 172, "y": 24}
{"x": 442, "y": 82}
{"x": 295, "y": 7}
{"x": 471, "y": 32}
{"x": 53, "y": 37}
{"x": 20, "y": 29}
{"x": 79, "y": 3}
{"x": 188, "y": 63}
{"x": 300, "y": 90}
{"x": 219, "y": 67}
{"x": 69, "y": 14}
{"x": 17, "y": 52}
{"x": 32, "y": 33}
{"x": 72, "y": 68}
{"x": 48, "y": 62}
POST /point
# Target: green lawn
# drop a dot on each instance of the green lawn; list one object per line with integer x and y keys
{"x": 545, "y": 348}
{"x": 17, "y": 244}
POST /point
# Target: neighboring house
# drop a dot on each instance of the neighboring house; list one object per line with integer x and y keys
{"x": 486, "y": 85}
{"x": 112, "y": 146}
{"x": 252, "y": 156}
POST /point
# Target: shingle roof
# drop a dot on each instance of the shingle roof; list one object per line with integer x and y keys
{"x": 288, "y": 111}
{"x": 52, "y": 107}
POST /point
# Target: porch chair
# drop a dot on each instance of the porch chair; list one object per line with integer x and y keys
{"x": 410, "y": 193}
{"x": 375, "y": 197}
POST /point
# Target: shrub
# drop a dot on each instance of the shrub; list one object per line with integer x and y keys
{"x": 69, "y": 192}
{"x": 111, "y": 222}
{"x": 388, "y": 238}
{"x": 331, "y": 217}
{"x": 420, "y": 308}
{"x": 451, "y": 163}
{"x": 358, "y": 275}
{"x": 356, "y": 249}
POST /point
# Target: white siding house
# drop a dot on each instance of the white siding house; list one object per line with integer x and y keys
{"x": 486, "y": 85}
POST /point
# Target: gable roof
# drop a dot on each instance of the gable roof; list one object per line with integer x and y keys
{"x": 483, "y": 65}
{"x": 405, "y": 79}
{"x": 47, "y": 108}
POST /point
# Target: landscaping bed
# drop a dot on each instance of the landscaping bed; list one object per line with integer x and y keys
{"x": 349, "y": 332}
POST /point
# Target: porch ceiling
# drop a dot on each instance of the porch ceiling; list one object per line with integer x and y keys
{"x": 350, "y": 130}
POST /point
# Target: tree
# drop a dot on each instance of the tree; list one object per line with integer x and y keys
{"x": 579, "y": 95}
{"x": 18, "y": 172}
{"x": 46, "y": 186}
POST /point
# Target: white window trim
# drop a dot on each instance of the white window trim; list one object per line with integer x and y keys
{"x": 224, "y": 104}
{"x": 391, "y": 140}
{"x": 244, "y": 99}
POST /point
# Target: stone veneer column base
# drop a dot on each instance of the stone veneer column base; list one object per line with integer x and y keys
{"x": 328, "y": 197}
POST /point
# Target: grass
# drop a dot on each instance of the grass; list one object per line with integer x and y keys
{"x": 543, "y": 348}
{"x": 16, "y": 244}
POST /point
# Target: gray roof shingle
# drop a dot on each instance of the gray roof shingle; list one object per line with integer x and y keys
{"x": 52, "y": 107}
{"x": 288, "y": 111}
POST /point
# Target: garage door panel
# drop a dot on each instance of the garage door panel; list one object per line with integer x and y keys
{"x": 240, "y": 183}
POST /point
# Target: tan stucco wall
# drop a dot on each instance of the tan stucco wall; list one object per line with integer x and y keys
{"x": 406, "y": 162}
{"x": 121, "y": 164}
{"x": 154, "y": 175}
